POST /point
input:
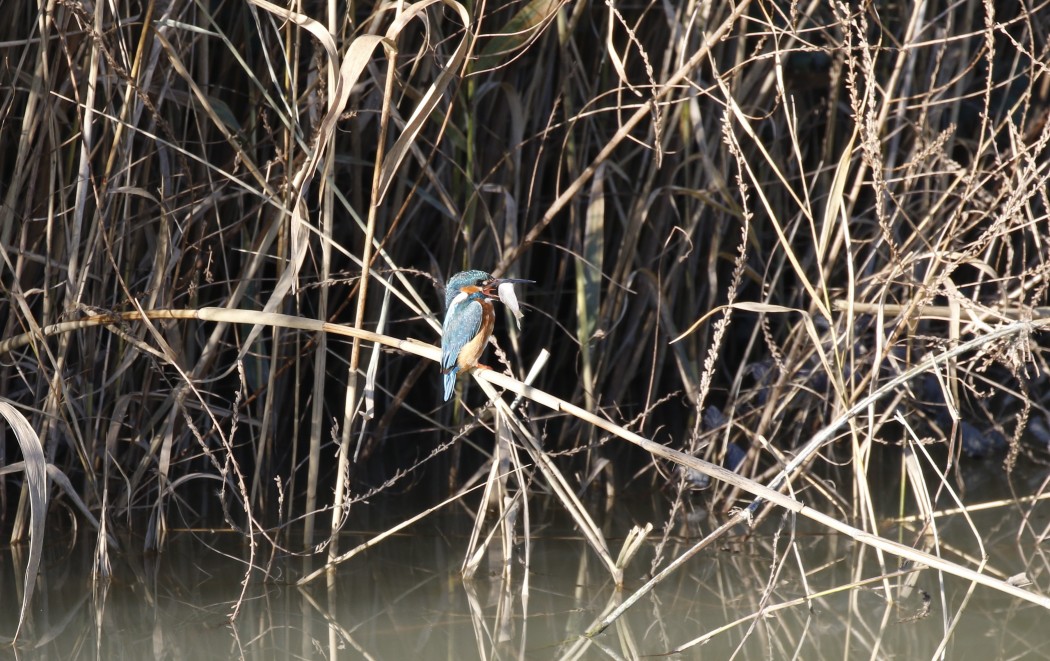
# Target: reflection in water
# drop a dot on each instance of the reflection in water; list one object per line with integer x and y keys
{"x": 404, "y": 599}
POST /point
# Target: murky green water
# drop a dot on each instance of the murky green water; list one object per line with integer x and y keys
{"x": 404, "y": 599}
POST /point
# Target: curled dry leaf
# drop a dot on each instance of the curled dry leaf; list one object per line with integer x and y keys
{"x": 506, "y": 294}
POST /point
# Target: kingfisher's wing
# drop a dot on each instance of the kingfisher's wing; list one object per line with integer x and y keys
{"x": 460, "y": 327}
{"x": 462, "y": 323}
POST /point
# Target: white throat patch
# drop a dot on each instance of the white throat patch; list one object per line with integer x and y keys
{"x": 460, "y": 297}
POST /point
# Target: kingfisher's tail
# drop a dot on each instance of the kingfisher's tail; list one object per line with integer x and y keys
{"x": 450, "y": 381}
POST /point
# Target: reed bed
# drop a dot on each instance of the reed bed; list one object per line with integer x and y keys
{"x": 780, "y": 252}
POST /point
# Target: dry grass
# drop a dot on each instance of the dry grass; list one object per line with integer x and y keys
{"x": 745, "y": 225}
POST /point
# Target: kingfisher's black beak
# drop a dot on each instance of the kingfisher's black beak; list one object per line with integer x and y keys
{"x": 491, "y": 286}
{"x": 496, "y": 282}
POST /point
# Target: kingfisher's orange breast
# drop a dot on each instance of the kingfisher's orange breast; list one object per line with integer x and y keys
{"x": 471, "y": 352}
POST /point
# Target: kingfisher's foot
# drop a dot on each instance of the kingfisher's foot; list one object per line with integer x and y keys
{"x": 479, "y": 366}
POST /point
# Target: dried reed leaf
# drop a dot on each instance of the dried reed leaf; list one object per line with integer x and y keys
{"x": 510, "y": 299}
{"x": 836, "y": 205}
{"x": 589, "y": 269}
{"x": 37, "y": 488}
{"x": 516, "y": 33}
{"x": 431, "y": 98}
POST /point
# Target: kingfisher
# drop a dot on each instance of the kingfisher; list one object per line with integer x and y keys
{"x": 469, "y": 317}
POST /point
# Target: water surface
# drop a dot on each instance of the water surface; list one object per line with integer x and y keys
{"x": 405, "y": 598}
